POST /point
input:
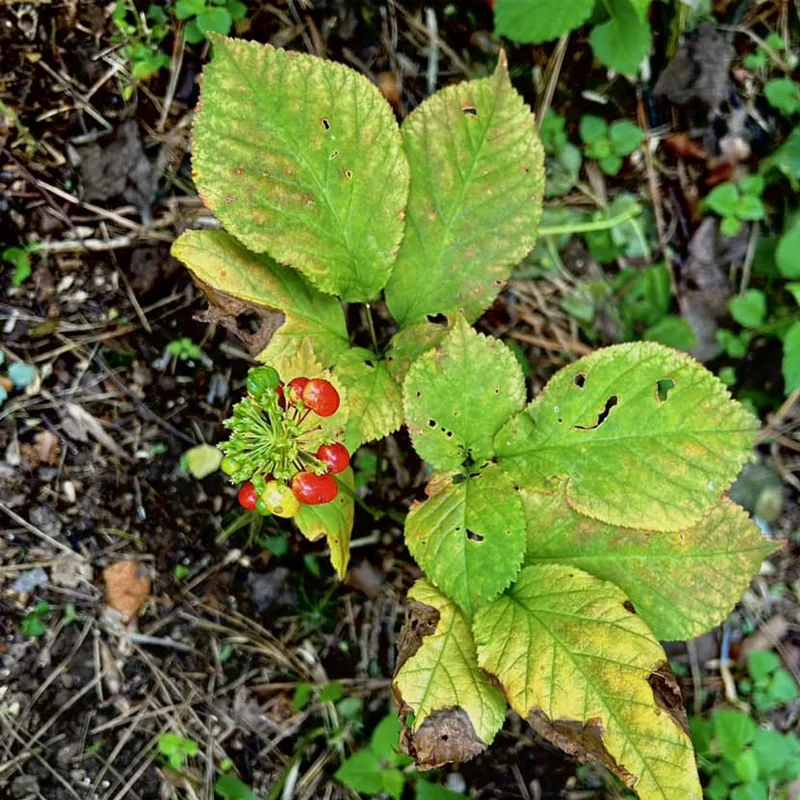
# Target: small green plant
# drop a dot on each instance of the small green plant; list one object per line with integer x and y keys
{"x": 743, "y": 761}
{"x": 561, "y": 537}
{"x": 20, "y": 259}
{"x": 563, "y": 159}
{"x": 34, "y": 623}
{"x": 209, "y": 16}
{"x": 229, "y": 787}
{"x": 783, "y": 94}
{"x": 761, "y": 58}
{"x": 620, "y": 36}
{"x": 609, "y": 144}
{"x": 737, "y": 203}
{"x": 769, "y": 684}
{"x": 176, "y": 749}
{"x": 185, "y": 349}
{"x": 381, "y": 769}
{"x": 139, "y": 34}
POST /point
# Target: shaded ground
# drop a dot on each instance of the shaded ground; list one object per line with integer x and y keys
{"x": 90, "y": 452}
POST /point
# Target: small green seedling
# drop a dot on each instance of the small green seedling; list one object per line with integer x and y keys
{"x": 185, "y": 349}
{"x": 783, "y": 94}
{"x": 381, "y": 769}
{"x": 609, "y": 144}
{"x": 229, "y": 787}
{"x": 769, "y": 685}
{"x": 743, "y": 761}
{"x": 737, "y": 203}
{"x": 34, "y": 623}
{"x": 563, "y": 159}
{"x": 208, "y": 16}
{"x": 20, "y": 259}
{"x": 620, "y": 37}
{"x": 761, "y": 58}
{"x": 176, "y": 749}
{"x": 140, "y": 34}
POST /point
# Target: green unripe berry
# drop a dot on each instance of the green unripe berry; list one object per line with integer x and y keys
{"x": 262, "y": 379}
{"x": 260, "y": 483}
{"x": 228, "y": 465}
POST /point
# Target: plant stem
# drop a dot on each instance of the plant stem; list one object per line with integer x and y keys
{"x": 376, "y": 514}
{"x": 590, "y": 227}
{"x": 371, "y": 325}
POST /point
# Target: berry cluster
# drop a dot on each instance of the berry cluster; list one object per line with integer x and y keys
{"x": 281, "y": 459}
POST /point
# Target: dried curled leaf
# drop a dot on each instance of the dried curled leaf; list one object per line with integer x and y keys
{"x": 456, "y": 708}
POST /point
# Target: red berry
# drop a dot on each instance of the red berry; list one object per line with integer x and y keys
{"x": 248, "y": 496}
{"x": 335, "y": 457}
{"x": 296, "y": 386}
{"x": 320, "y": 396}
{"x": 314, "y": 490}
{"x": 281, "y": 397}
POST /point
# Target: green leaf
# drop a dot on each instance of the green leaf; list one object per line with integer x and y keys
{"x": 202, "y": 461}
{"x": 774, "y": 751}
{"x": 385, "y": 739}
{"x": 723, "y": 200}
{"x": 469, "y": 536}
{"x": 672, "y": 331}
{"x": 786, "y": 158}
{"x": 733, "y": 345}
{"x": 749, "y": 309}
{"x": 289, "y": 152}
{"x": 782, "y": 688}
{"x": 430, "y": 791}
{"x": 333, "y": 520}
{"x": 791, "y": 359}
{"x": 787, "y": 255}
{"x": 407, "y": 345}
{"x": 752, "y": 185}
{"x": 592, "y": 129}
{"x": 681, "y": 584}
{"x": 536, "y": 21}
{"x": 589, "y": 676}
{"x": 731, "y": 226}
{"x": 761, "y": 664}
{"x": 611, "y": 165}
{"x": 458, "y": 396}
{"x": 750, "y": 208}
{"x": 625, "y": 137}
{"x": 221, "y": 263}
{"x": 229, "y": 787}
{"x": 746, "y": 766}
{"x": 237, "y": 9}
{"x": 734, "y": 731}
{"x": 438, "y": 681}
{"x": 375, "y": 399}
{"x": 632, "y": 409}
{"x": 189, "y": 8}
{"x": 750, "y": 791}
{"x": 624, "y": 41}
{"x": 361, "y": 772}
{"x": 192, "y": 33}
{"x": 393, "y": 782}
{"x": 477, "y": 180}
{"x": 783, "y": 94}
{"x": 20, "y": 258}
{"x": 303, "y": 695}
{"x": 215, "y": 20}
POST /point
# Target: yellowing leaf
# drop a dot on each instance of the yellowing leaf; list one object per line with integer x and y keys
{"x": 459, "y": 395}
{"x": 409, "y": 344}
{"x": 457, "y": 710}
{"x": 218, "y": 260}
{"x": 469, "y": 536}
{"x": 302, "y": 158}
{"x": 202, "y": 461}
{"x": 644, "y": 436}
{"x": 477, "y": 179}
{"x": 333, "y": 520}
{"x": 375, "y": 399}
{"x": 681, "y": 584}
{"x": 590, "y": 676}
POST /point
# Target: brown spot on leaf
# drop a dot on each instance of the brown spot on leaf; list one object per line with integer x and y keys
{"x": 239, "y": 171}
{"x": 446, "y": 736}
{"x": 667, "y": 695}
{"x": 629, "y": 607}
{"x": 230, "y": 198}
{"x": 583, "y": 740}
{"x": 421, "y": 621}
